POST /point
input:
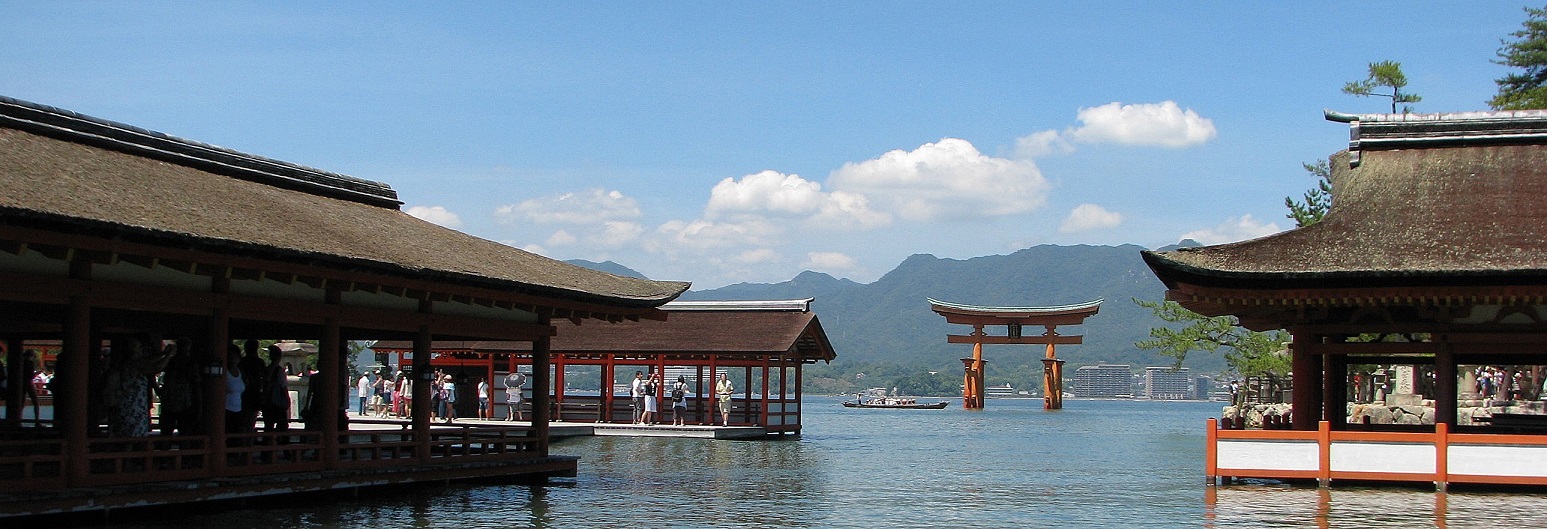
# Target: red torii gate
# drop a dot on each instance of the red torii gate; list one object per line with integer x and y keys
{"x": 1014, "y": 318}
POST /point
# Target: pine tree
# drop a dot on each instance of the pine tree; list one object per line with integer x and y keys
{"x": 1387, "y": 74}
{"x": 1526, "y": 89}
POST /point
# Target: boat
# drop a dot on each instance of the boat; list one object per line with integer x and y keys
{"x": 895, "y": 403}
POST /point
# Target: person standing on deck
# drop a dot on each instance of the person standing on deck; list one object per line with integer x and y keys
{"x": 636, "y": 391}
{"x": 679, "y": 400}
{"x": 513, "y": 383}
{"x": 722, "y": 392}
{"x": 449, "y": 397}
{"x": 652, "y": 400}
{"x": 276, "y": 397}
{"x": 363, "y": 390}
{"x": 484, "y": 411}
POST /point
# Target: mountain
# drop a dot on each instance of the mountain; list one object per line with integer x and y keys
{"x": 887, "y": 327}
{"x": 889, "y": 321}
{"x": 609, "y": 267}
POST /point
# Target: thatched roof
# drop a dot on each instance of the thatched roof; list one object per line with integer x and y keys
{"x": 1440, "y": 199}
{"x": 689, "y": 328}
{"x": 61, "y": 171}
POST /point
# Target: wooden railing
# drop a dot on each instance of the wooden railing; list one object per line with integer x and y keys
{"x": 40, "y": 464}
{"x": 1326, "y": 455}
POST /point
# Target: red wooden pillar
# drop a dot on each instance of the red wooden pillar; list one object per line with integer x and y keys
{"x": 213, "y": 365}
{"x": 1445, "y": 383}
{"x": 15, "y": 378}
{"x": 541, "y": 347}
{"x": 698, "y": 395}
{"x": 746, "y": 395}
{"x": 1306, "y": 368}
{"x": 70, "y": 409}
{"x": 329, "y": 399}
{"x": 763, "y": 416}
{"x": 423, "y": 376}
{"x": 609, "y": 374}
{"x": 799, "y": 404}
{"x": 558, "y": 386}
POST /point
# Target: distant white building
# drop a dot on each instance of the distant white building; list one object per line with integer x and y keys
{"x": 1164, "y": 383}
{"x": 1106, "y": 380}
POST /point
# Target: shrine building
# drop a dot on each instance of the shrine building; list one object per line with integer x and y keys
{"x": 1432, "y": 263}
{"x": 115, "y": 241}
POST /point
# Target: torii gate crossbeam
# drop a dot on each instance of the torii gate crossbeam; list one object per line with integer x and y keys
{"x": 1015, "y": 319}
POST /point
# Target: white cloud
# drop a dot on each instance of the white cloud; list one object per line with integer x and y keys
{"x": 760, "y": 255}
{"x": 1161, "y": 124}
{"x": 436, "y": 214}
{"x": 1087, "y": 217}
{"x": 560, "y": 238}
{"x": 1041, "y": 144}
{"x": 1232, "y": 230}
{"x": 585, "y": 207}
{"x": 615, "y": 233}
{"x": 948, "y": 178}
{"x": 778, "y": 195}
{"x": 833, "y": 261}
{"x": 704, "y": 234}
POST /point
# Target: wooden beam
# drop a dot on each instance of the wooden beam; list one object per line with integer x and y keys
{"x": 1057, "y": 339}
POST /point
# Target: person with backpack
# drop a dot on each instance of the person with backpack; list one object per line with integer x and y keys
{"x": 513, "y": 383}
{"x": 652, "y": 399}
{"x": 679, "y": 401}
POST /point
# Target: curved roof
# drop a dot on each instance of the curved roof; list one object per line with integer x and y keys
{"x": 64, "y": 172}
{"x": 1088, "y": 306}
{"x": 1418, "y": 200}
{"x": 751, "y": 331}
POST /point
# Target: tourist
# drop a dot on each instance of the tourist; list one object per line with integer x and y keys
{"x": 722, "y": 393}
{"x": 252, "y": 378}
{"x": 404, "y": 393}
{"x": 679, "y": 401}
{"x": 235, "y": 387}
{"x": 437, "y": 396}
{"x": 363, "y": 390}
{"x": 513, "y": 383}
{"x": 180, "y": 392}
{"x": 276, "y": 400}
{"x": 652, "y": 399}
{"x": 484, "y": 412}
{"x": 448, "y": 396}
{"x": 636, "y": 391}
{"x": 29, "y": 375}
{"x": 133, "y": 363}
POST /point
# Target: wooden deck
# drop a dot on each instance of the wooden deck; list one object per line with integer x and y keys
{"x": 1440, "y": 457}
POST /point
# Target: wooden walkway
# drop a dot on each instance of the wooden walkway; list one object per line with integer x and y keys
{"x": 567, "y": 429}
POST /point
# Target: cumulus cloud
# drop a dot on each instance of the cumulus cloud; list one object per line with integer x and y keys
{"x": 560, "y": 238}
{"x": 1232, "y": 230}
{"x": 592, "y": 206}
{"x": 948, "y": 178}
{"x": 829, "y": 261}
{"x": 755, "y": 256}
{"x": 1041, "y": 144}
{"x": 778, "y": 195}
{"x": 436, "y": 214}
{"x": 616, "y": 233}
{"x": 1087, "y": 217}
{"x": 1161, "y": 124}
{"x": 704, "y": 234}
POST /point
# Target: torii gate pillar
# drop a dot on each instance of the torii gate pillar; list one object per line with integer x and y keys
{"x": 1014, "y": 318}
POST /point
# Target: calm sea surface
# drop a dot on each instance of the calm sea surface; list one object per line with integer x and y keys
{"x": 1094, "y": 464}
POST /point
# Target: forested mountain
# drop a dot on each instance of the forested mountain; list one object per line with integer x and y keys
{"x": 886, "y": 327}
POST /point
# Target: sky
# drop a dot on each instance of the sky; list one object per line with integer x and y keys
{"x": 728, "y": 142}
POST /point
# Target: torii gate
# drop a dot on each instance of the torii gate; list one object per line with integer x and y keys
{"x": 1014, "y": 318}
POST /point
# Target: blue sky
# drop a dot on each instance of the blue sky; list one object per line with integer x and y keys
{"x": 725, "y": 142}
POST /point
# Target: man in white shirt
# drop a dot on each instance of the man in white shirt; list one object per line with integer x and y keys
{"x": 636, "y": 390}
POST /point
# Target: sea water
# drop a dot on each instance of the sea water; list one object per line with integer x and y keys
{"x": 1013, "y": 464}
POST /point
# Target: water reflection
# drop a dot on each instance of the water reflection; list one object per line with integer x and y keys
{"x": 1283, "y": 506}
